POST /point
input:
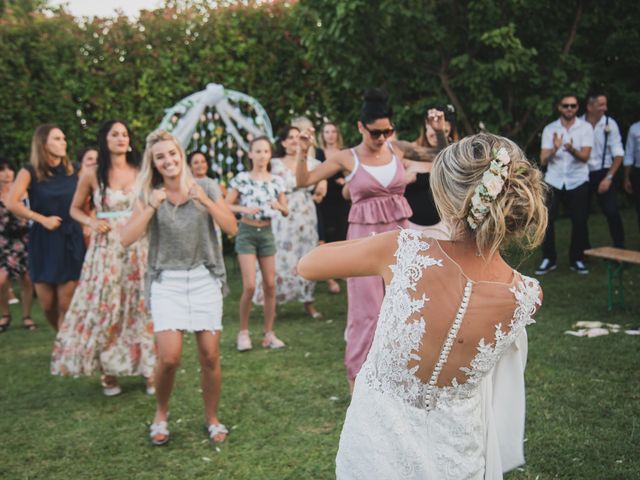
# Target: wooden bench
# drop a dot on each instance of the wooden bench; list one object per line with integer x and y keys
{"x": 616, "y": 259}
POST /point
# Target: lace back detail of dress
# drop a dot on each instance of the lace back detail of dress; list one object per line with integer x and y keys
{"x": 394, "y": 359}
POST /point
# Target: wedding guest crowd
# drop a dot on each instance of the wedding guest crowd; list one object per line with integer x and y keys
{"x": 151, "y": 266}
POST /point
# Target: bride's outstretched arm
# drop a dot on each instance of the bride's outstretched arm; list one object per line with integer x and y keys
{"x": 352, "y": 258}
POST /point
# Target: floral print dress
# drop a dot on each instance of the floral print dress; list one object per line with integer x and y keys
{"x": 13, "y": 243}
{"x": 108, "y": 328}
{"x": 295, "y": 234}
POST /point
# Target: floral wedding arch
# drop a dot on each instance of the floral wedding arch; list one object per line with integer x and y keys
{"x": 220, "y": 123}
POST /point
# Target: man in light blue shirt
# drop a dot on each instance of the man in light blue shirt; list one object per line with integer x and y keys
{"x": 606, "y": 158}
{"x": 632, "y": 165}
{"x": 566, "y": 147}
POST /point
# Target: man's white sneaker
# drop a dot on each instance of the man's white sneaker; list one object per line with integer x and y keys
{"x": 545, "y": 267}
{"x": 579, "y": 267}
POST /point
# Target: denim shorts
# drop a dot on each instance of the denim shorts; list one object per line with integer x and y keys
{"x": 258, "y": 241}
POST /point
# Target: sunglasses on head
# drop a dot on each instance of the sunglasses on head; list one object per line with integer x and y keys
{"x": 569, "y": 105}
{"x": 387, "y": 132}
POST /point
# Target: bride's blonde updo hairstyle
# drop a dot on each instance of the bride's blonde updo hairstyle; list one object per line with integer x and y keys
{"x": 516, "y": 212}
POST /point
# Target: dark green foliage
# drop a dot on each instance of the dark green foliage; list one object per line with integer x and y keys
{"x": 500, "y": 62}
{"x": 78, "y": 75}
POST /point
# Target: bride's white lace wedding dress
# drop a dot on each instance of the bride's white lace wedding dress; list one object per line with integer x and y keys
{"x": 441, "y": 394}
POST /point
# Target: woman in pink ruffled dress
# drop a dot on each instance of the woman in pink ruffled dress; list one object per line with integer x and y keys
{"x": 375, "y": 175}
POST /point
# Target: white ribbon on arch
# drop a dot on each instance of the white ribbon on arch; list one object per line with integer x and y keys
{"x": 215, "y": 95}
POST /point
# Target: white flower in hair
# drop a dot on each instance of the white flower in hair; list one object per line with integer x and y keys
{"x": 489, "y": 187}
{"x": 493, "y": 183}
{"x": 502, "y": 156}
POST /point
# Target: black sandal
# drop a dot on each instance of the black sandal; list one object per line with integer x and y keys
{"x": 4, "y": 326}
{"x": 31, "y": 326}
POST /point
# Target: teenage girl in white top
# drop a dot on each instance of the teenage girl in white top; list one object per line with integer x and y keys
{"x": 260, "y": 196}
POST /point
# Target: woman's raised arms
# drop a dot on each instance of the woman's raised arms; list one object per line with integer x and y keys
{"x": 327, "y": 169}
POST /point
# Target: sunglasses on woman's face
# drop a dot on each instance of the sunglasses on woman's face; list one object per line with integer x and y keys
{"x": 387, "y": 132}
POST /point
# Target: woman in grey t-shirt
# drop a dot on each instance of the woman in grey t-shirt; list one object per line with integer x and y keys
{"x": 185, "y": 274}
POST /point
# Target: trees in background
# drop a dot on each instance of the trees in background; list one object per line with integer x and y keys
{"x": 501, "y": 63}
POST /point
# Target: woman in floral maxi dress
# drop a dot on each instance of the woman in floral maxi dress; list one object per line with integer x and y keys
{"x": 108, "y": 327}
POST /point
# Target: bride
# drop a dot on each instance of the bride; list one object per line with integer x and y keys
{"x": 441, "y": 394}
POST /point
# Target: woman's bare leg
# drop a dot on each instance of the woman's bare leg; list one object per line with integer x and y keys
{"x": 169, "y": 344}
{"x": 64, "y": 293}
{"x": 248, "y": 268}
{"x": 26, "y": 295}
{"x": 210, "y": 376}
{"x": 49, "y": 302}
{"x": 268, "y": 269}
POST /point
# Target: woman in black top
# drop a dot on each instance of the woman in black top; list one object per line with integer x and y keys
{"x": 418, "y": 192}
{"x": 334, "y": 209}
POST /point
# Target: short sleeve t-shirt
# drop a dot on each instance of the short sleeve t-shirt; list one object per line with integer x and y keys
{"x": 564, "y": 170}
{"x": 183, "y": 237}
{"x": 258, "y": 193}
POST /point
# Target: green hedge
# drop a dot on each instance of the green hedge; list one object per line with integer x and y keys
{"x": 501, "y": 62}
{"x": 53, "y": 69}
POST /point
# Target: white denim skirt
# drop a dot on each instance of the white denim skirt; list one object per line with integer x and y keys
{"x": 186, "y": 300}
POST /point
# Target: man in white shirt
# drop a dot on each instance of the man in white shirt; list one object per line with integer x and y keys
{"x": 632, "y": 165}
{"x": 566, "y": 147}
{"x": 606, "y": 158}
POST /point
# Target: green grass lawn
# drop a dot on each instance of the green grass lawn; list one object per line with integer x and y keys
{"x": 286, "y": 408}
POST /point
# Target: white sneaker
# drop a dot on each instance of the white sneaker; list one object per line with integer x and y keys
{"x": 579, "y": 267}
{"x": 110, "y": 386}
{"x": 545, "y": 267}
{"x": 244, "y": 341}
{"x": 271, "y": 341}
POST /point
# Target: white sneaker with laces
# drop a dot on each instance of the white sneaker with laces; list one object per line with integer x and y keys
{"x": 579, "y": 267}
{"x": 545, "y": 267}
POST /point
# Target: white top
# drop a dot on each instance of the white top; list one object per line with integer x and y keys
{"x": 614, "y": 143}
{"x": 258, "y": 193}
{"x": 564, "y": 169}
{"x": 632, "y": 155}
{"x": 384, "y": 174}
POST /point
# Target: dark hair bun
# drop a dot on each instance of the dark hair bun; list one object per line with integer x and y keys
{"x": 375, "y": 106}
{"x": 376, "y": 95}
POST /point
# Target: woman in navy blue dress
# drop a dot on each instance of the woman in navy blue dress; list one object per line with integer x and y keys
{"x": 56, "y": 246}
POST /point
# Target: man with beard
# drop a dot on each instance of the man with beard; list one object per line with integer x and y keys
{"x": 566, "y": 147}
